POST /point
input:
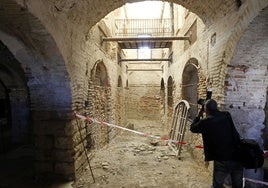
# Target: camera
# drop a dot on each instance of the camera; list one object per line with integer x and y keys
{"x": 202, "y": 102}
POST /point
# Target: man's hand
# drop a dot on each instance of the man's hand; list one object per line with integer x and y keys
{"x": 200, "y": 113}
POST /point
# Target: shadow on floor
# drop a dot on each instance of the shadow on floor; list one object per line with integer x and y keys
{"x": 17, "y": 170}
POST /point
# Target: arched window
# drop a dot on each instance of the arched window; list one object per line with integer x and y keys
{"x": 119, "y": 81}
{"x": 127, "y": 84}
{"x": 99, "y": 75}
{"x": 162, "y": 84}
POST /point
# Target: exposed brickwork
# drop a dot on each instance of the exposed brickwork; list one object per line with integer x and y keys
{"x": 143, "y": 102}
{"x": 246, "y": 82}
{"x": 58, "y": 47}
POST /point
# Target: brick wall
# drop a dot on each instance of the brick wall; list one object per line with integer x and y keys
{"x": 247, "y": 80}
{"x": 143, "y": 102}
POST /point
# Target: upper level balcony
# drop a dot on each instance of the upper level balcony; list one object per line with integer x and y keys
{"x": 140, "y": 33}
{"x": 141, "y": 27}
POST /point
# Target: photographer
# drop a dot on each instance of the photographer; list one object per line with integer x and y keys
{"x": 219, "y": 144}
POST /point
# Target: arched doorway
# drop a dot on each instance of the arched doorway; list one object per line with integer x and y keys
{"x": 163, "y": 100}
{"x": 163, "y": 95}
{"x": 44, "y": 91}
{"x": 170, "y": 92}
{"x": 190, "y": 86}
{"x": 119, "y": 82}
{"x": 99, "y": 94}
{"x": 16, "y": 132}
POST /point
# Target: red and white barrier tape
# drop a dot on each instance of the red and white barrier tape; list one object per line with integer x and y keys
{"x": 156, "y": 137}
{"x": 133, "y": 131}
{"x": 254, "y": 181}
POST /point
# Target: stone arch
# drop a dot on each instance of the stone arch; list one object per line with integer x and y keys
{"x": 226, "y": 51}
{"x": 246, "y": 84}
{"x": 162, "y": 85}
{"x": 99, "y": 74}
{"x": 170, "y": 92}
{"x": 44, "y": 70}
{"x": 163, "y": 96}
{"x": 127, "y": 83}
{"x": 196, "y": 7}
{"x": 246, "y": 89}
{"x": 15, "y": 110}
{"x": 190, "y": 82}
{"x": 100, "y": 97}
{"x": 91, "y": 16}
{"x": 119, "y": 82}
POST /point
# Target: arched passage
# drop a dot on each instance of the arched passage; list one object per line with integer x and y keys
{"x": 119, "y": 82}
{"x": 170, "y": 92}
{"x": 39, "y": 85}
{"x": 190, "y": 82}
{"x": 162, "y": 89}
{"x": 14, "y": 102}
{"x": 16, "y": 133}
{"x": 163, "y": 97}
{"x": 99, "y": 75}
{"x": 246, "y": 91}
{"x": 99, "y": 95}
{"x": 61, "y": 16}
{"x": 162, "y": 84}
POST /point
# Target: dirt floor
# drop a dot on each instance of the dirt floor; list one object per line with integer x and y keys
{"x": 134, "y": 161}
{"x": 128, "y": 161}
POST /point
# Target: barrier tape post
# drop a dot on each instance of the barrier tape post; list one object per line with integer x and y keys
{"x": 79, "y": 130}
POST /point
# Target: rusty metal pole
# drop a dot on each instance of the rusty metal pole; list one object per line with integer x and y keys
{"x": 79, "y": 130}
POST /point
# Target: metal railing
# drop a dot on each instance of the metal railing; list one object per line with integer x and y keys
{"x": 179, "y": 122}
{"x": 152, "y": 27}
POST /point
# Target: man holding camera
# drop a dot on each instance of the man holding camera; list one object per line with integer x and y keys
{"x": 219, "y": 144}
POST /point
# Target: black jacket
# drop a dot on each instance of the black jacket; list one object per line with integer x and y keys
{"x": 218, "y": 136}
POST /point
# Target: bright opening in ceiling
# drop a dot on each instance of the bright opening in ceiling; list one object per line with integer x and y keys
{"x": 145, "y": 10}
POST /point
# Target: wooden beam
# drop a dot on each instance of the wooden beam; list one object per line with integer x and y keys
{"x": 144, "y": 69}
{"x": 145, "y": 60}
{"x": 135, "y": 39}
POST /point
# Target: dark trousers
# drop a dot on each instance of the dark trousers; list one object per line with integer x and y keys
{"x": 223, "y": 170}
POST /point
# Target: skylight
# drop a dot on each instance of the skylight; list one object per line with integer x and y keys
{"x": 144, "y": 10}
